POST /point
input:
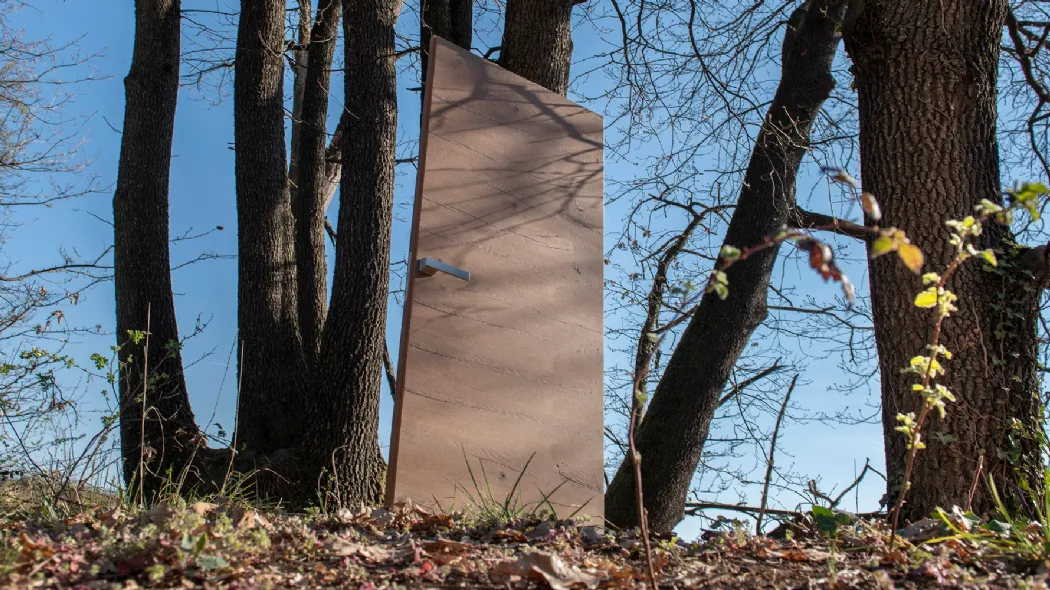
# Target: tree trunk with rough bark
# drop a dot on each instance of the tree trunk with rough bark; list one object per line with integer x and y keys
{"x": 672, "y": 435}
{"x": 452, "y": 20}
{"x": 272, "y": 368}
{"x": 537, "y": 42}
{"x": 313, "y": 181}
{"x": 435, "y": 18}
{"x": 926, "y": 76}
{"x": 300, "y": 61}
{"x": 167, "y": 436}
{"x": 461, "y": 22}
{"x": 344, "y": 414}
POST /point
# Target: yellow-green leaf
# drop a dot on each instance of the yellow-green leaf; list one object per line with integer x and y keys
{"x": 989, "y": 256}
{"x": 882, "y": 245}
{"x": 927, "y": 298}
{"x": 911, "y": 256}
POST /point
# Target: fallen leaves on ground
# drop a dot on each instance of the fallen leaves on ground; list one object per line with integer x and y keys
{"x": 222, "y": 545}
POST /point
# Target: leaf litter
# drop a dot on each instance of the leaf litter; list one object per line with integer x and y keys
{"x": 217, "y": 545}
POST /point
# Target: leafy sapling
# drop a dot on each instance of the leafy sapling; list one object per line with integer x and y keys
{"x": 936, "y": 297}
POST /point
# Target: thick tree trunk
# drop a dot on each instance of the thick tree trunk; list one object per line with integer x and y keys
{"x": 461, "y": 21}
{"x": 926, "y": 83}
{"x": 435, "y": 18}
{"x": 167, "y": 435}
{"x": 300, "y": 61}
{"x": 449, "y": 19}
{"x": 537, "y": 42}
{"x": 344, "y": 416}
{"x": 310, "y": 253}
{"x": 672, "y": 435}
{"x": 272, "y": 370}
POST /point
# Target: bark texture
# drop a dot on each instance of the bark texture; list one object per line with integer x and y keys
{"x": 461, "y": 22}
{"x": 452, "y": 20}
{"x": 313, "y": 180}
{"x": 272, "y": 367}
{"x": 142, "y": 274}
{"x": 300, "y": 61}
{"x": 537, "y": 42}
{"x": 671, "y": 436}
{"x": 926, "y": 83}
{"x": 344, "y": 416}
{"x": 435, "y": 19}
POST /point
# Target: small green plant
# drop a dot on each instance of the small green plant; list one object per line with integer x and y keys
{"x": 1006, "y": 531}
{"x": 487, "y": 507}
{"x": 828, "y": 522}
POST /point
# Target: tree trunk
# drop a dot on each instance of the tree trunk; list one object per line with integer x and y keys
{"x": 300, "y": 61}
{"x": 926, "y": 77}
{"x": 310, "y": 253}
{"x": 452, "y": 20}
{"x": 167, "y": 435}
{"x": 344, "y": 418}
{"x": 435, "y": 18}
{"x": 461, "y": 21}
{"x": 537, "y": 42}
{"x": 272, "y": 370}
{"x": 672, "y": 435}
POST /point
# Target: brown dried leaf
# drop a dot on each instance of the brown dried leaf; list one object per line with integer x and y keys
{"x": 545, "y": 567}
{"x": 203, "y": 508}
{"x": 160, "y": 513}
{"x": 374, "y": 553}
{"x": 797, "y": 554}
{"x": 510, "y": 536}
{"x": 248, "y": 519}
{"x": 352, "y": 517}
{"x": 445, "y": 552}
{"x": 911, "y": 256}
{"x": 870, "y": 206}
{"x": 382, "y": 517}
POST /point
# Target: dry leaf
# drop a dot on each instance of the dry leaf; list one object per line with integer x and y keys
{"x": 248, "y": 519}
{"x": 590, "y": 535}
{"x": 510, "y": 536}
{"x": 803, "y": 555}
{"x": 911, "y": 256}
{"x": 375, "y": 553}
{"x": 545, "y": 567}
{"x": 347, "y": 516}
{"x": 870, "y": 206}
{"x": 204, "y": 508}
{"x": 382, "y": 517}
{"x": 445, "y": 552}
{"x": 160, "y": 513}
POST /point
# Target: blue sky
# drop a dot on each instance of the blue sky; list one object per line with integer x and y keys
{"x": 202, "y": 197}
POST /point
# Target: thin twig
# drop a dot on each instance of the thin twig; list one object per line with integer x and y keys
{"x": 636, "y": 459}
{"x": 142, "y": 421}
{"x": 694, "y": 508}
{"x": 856, "y": 482}
{"x": 976, "y": 479}
{"x": 772, "y": 452}
{"x": 927, "y": 378}
{"x": 236, "y": 420}
{"x": 388, "y": 366}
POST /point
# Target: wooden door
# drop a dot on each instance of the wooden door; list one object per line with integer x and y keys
{"x": 505, "y": 368}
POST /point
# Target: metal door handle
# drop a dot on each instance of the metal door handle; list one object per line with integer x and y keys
{"x": 429, "y": 266}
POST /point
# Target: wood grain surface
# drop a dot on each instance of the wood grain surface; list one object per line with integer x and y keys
{"x": 507, "y": 366}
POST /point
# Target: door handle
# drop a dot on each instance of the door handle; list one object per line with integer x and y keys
{"x": 428, "y": 267}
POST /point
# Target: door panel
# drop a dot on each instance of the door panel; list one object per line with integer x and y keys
{"x": 508, "y": 365}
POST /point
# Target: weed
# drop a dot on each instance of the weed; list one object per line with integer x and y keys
{"x": 483, "y": 503}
